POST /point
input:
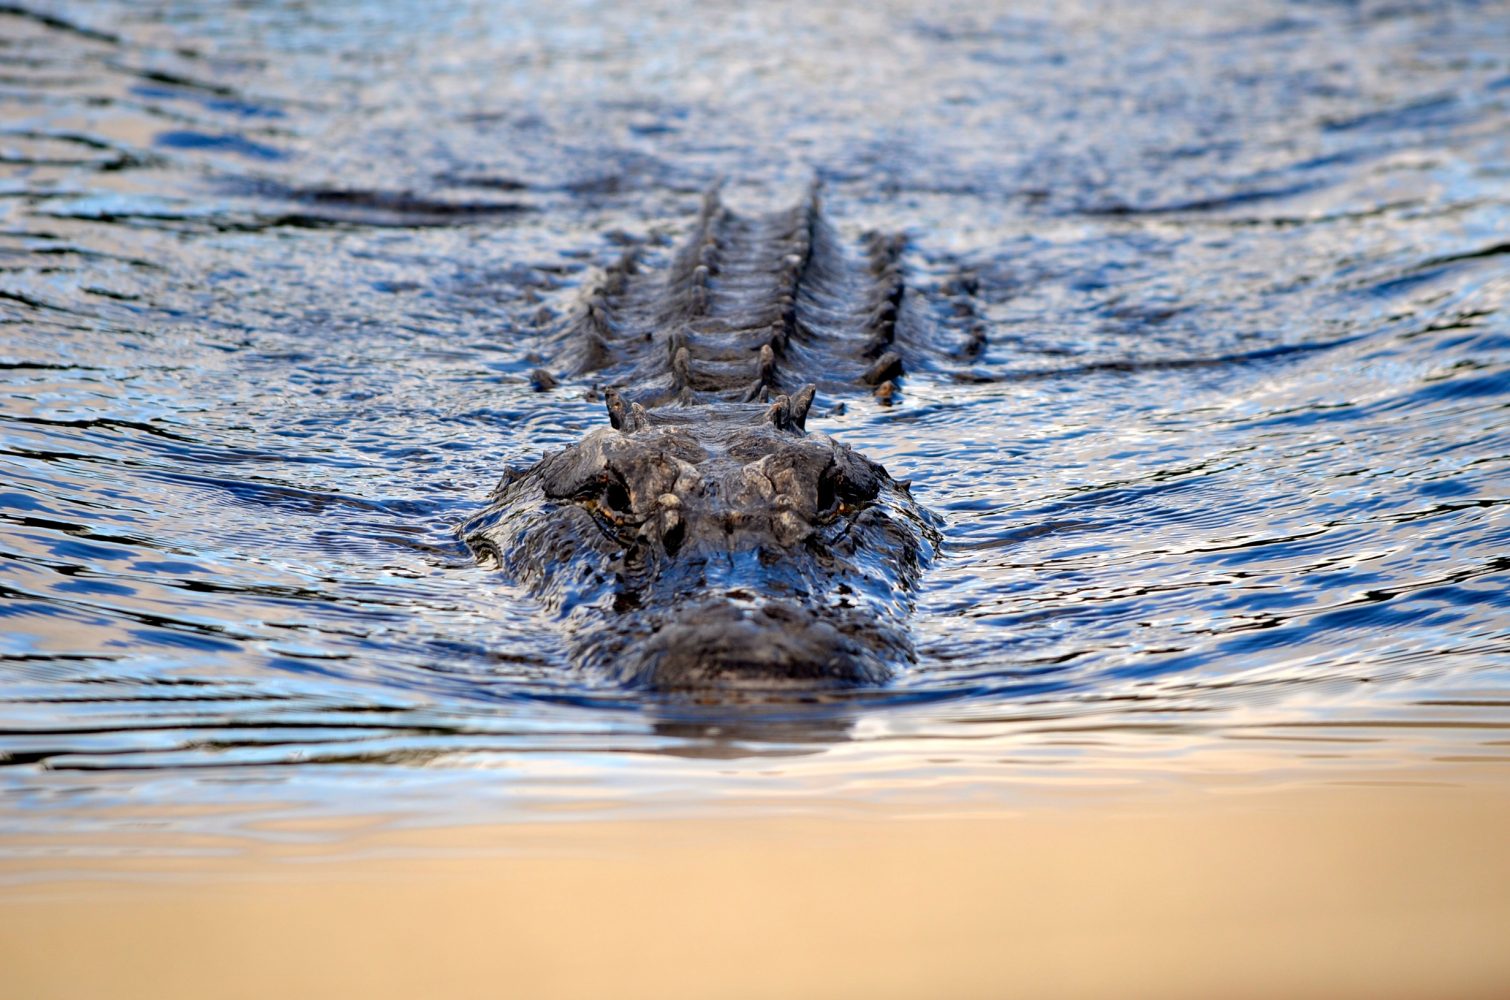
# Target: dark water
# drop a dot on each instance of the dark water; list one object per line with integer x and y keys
{"x": 1227, "y": 495}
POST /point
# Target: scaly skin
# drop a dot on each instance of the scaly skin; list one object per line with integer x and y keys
{"x": 707, "y": 540}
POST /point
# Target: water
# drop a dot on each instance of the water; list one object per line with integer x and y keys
{"x": 1225, "y": 496}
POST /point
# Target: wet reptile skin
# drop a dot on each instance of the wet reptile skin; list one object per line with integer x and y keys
{"x": 706, "y": 538}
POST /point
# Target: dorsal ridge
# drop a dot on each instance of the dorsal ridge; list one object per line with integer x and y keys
{"x": 746, "y": 306}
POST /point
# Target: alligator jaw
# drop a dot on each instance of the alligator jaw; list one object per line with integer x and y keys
{"x": 722, "y": 644}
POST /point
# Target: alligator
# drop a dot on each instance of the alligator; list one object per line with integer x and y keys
{"x": 706, "y": 539}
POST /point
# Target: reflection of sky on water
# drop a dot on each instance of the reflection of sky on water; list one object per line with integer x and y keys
{"x": 1228, "y": 497}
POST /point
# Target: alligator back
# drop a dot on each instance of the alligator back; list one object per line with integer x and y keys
{"x": 747, "y": 307}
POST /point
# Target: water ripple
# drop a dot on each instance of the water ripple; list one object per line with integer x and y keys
{"x": 1223, "y": 464}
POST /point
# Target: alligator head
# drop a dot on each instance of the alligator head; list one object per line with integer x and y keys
{"x": 709, "y": 547}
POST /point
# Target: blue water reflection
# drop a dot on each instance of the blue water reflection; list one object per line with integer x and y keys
{"x": 1230, "y": 470}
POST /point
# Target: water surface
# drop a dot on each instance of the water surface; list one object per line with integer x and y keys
{"x": 1225, "y": 494}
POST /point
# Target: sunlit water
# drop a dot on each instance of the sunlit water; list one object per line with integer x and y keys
{"x": 1230, "y": 486}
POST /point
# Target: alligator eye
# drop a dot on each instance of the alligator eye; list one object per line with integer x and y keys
{"x": 616, "y": 497}
{"x": 674, "y": 535}
{"x": 838, "y": 494}
{"x": 607, "y": 493}
{"x": 828, "y": 494}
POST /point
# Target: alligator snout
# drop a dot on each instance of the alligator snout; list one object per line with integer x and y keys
{"x": 733, "y": 644}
